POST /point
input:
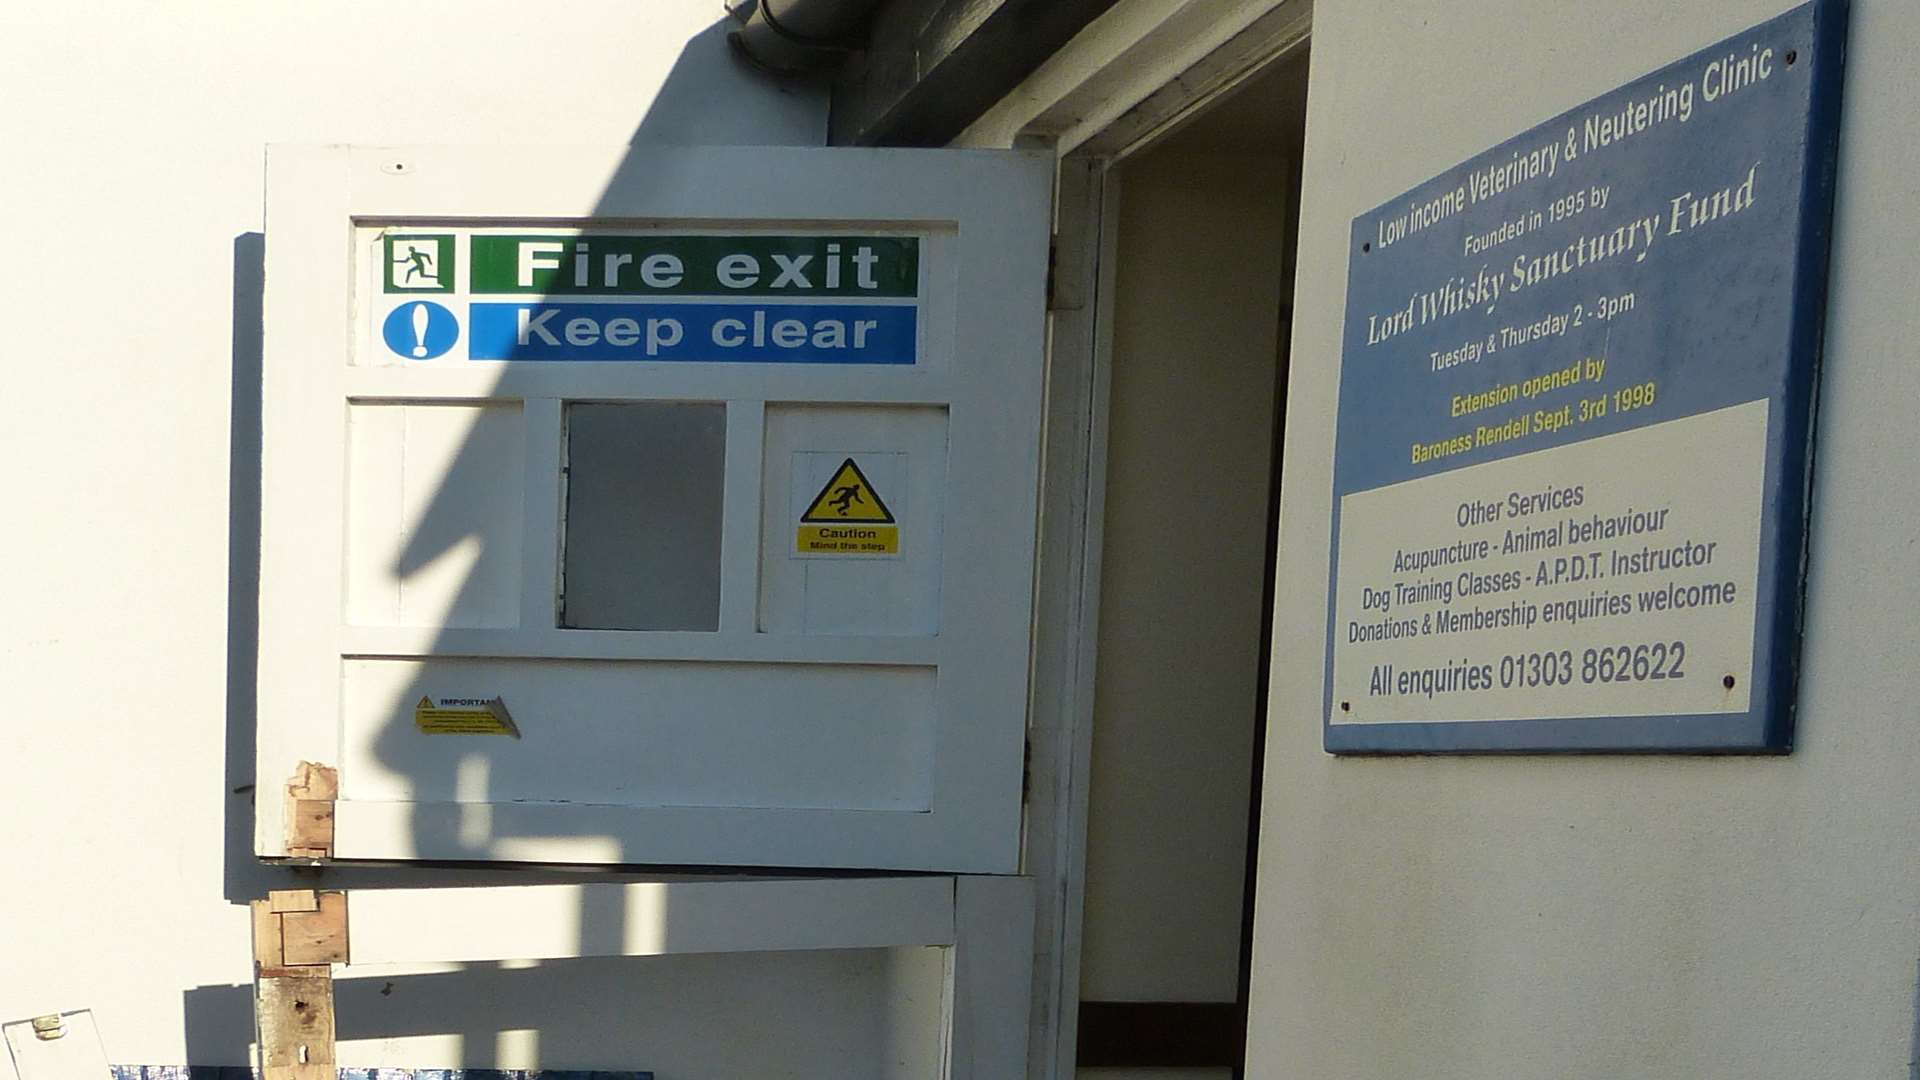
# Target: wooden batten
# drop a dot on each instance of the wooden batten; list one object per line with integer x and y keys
{"x": 298, "y": 934}
{"x": 282, "y": 901}
{"x": 296, "y": 1028}
{"x": 310, "y": 796}
{"x": 318, "y": 936}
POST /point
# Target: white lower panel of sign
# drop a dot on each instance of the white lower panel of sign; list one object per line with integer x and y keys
{"x": 1610, "y": 577}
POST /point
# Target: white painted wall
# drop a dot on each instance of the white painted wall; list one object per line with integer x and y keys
{"x": 1604, "y": 917}
{"x": 133, "y": 137}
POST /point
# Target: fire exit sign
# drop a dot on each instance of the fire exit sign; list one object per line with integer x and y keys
{"x": 596, "y": 296}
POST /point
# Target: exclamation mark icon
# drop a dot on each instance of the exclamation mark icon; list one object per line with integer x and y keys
{"x": 419, "y": 330}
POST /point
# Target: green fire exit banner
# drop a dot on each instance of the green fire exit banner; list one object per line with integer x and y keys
{"x": 648, "y": 265}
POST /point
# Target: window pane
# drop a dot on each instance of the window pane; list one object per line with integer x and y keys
{"x": 642, "y": 549}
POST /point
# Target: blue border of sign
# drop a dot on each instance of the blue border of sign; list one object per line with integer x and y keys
{"x": 1768, "y": 726}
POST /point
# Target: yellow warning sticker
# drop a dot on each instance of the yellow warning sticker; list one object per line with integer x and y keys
{"x": 848, "y": 517}
{"x": 464, "y": 716}
{"x": 847, "y": 540}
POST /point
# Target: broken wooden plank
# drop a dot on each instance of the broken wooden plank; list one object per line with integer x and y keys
{"x": 315, "y": 781}
{"x": 310, "y": 796}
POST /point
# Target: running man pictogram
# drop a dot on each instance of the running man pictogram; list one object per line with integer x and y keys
{"x": 419, "y": 263}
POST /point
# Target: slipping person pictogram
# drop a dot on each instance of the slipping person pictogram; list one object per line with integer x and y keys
{"x": 849, "y": 517}
{"x": 845, "y": 497}
{"x": 848, "y": 497}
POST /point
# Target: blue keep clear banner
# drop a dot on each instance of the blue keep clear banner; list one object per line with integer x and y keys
{"x": 764, "y": 333}
{"x": 1576, "y": 397}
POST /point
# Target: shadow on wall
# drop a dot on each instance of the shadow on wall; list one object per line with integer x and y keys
{"x": 1913, "y": 1052}
{"x": 671, "y": 1011}
{"x": 554, "y": 1005}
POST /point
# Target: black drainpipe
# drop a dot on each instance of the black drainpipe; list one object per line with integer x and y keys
{"x": 798, "y": 37}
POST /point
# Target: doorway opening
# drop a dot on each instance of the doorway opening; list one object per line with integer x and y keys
{"x": 1196, "y": 295}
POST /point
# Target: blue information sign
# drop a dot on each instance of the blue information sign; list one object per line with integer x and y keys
{"x": 707, "y": 333}
{"x": 1576, "y": 402}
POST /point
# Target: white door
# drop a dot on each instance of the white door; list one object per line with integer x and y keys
{"x": 652, "y": 506}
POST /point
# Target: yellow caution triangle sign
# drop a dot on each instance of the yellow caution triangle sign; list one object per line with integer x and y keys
{"x": 847, "y": 497}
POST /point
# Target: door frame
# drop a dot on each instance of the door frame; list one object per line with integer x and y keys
{"x": 1134, "y": 76}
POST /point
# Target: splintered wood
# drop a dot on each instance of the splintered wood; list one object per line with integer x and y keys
{"x": 310, "y": 796}
{"x": 297, "y": 935}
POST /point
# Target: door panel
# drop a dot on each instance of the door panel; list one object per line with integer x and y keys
{"x": 610, "y": 515}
